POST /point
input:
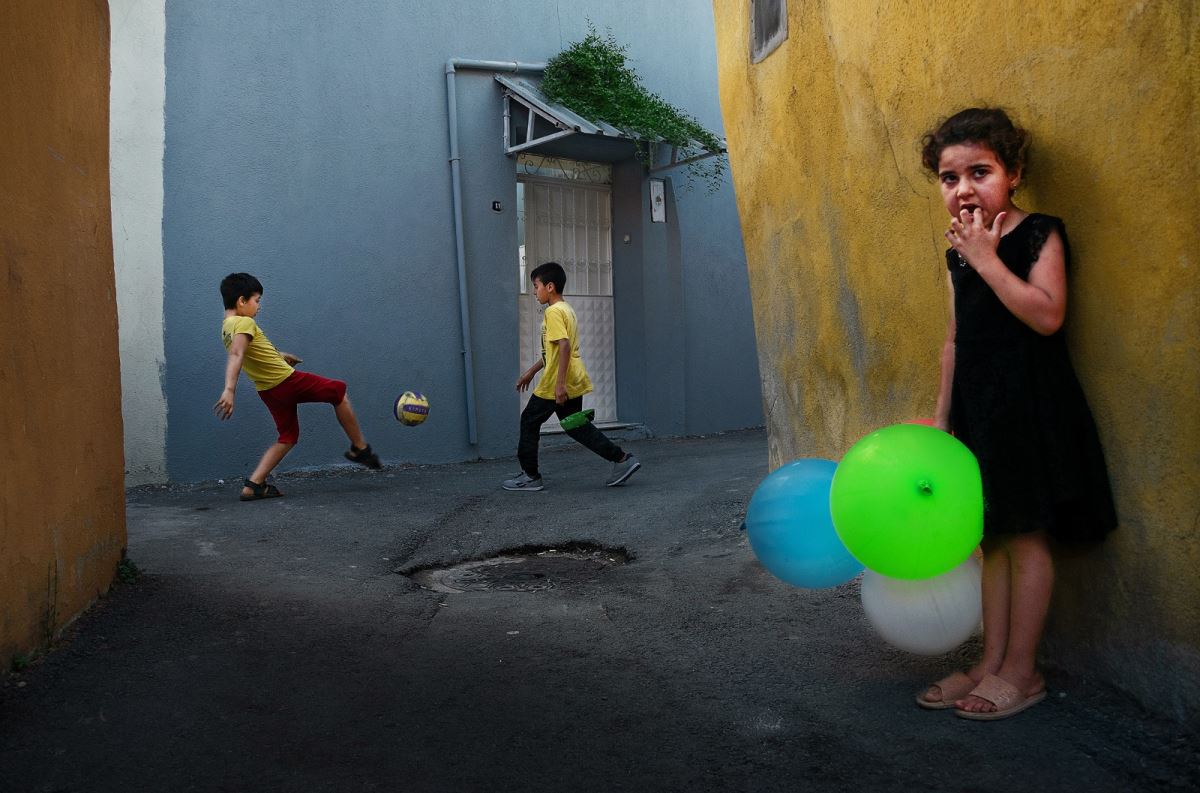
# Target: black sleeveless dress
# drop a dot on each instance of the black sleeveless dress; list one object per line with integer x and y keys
{"x": 1017, "y": 404}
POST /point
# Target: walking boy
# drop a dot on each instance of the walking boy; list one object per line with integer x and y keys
{"x": 561, "y": 389}
{"x": 280, "y": 386}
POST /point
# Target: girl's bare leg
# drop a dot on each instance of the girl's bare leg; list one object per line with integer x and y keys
{"x": 996, "y": 606}
{"x": 345, "y": 416}
{"x": 1032, "y": 582}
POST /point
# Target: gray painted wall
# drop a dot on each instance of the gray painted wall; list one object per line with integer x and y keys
{"x": 306, "y": 143}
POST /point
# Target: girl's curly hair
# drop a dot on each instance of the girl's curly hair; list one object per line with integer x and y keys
{"x": 990, "y": 126}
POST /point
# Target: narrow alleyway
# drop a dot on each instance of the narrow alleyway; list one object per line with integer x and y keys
{"x": 273, "y": 647}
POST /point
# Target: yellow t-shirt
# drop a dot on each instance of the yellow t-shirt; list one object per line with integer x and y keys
{"x": 559, "y": 323}
{"x": 262, "y": 363}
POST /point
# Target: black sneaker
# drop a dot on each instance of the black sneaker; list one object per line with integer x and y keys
{"x": 364, "y": 457}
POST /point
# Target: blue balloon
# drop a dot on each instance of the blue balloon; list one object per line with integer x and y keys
{"x": 791, "y": 528}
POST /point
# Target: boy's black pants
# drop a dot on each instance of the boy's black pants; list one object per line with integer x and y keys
{"x": 535, "y": 415}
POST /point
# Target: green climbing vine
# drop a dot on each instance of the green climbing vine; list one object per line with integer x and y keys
{"x": 593, "y": 78}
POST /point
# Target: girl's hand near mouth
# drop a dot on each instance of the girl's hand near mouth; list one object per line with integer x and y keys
{"x": 971, "y": 237}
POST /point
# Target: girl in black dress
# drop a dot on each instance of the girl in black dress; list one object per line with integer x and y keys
{"x": 1009, "y": 393}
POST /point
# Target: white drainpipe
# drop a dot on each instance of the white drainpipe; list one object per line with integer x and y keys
{"x": 452, "y": 65}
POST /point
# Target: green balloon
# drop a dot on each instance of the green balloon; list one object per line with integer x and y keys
{"x": 907, "y": 501}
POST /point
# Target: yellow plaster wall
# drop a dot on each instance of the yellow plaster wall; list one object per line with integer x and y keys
{"x": 843, "y": 239}
{"x": 62, "y": 501}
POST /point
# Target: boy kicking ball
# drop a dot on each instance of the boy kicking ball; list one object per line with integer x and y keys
{"x": 279, "y": 385}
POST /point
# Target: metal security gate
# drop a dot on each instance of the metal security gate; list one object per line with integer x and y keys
{"x": 571, "y": 223}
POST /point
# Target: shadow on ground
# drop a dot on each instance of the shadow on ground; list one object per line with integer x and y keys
{"x": 273, "y": 646}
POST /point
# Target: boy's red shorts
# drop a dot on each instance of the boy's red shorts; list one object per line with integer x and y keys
{"x": 299, "y": 387}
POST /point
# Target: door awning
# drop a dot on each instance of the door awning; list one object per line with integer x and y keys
{"x": 532, "y": 123}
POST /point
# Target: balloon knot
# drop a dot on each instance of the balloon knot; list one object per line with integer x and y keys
{"x": 925, "y": 487}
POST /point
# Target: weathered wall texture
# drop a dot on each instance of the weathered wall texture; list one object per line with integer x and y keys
{"x": 136, "y": 166}
{"x": 62, "y": 506}
{"x": 843, "y": 240}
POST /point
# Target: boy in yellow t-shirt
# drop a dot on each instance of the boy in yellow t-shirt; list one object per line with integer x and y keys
{"x": 279, "y": 385}
{"x": 561, "y": 389}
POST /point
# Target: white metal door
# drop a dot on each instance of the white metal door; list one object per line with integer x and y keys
{"x": 571, "y": 223}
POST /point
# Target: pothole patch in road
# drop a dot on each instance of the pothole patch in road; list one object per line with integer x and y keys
{"x": 530, "y": 569}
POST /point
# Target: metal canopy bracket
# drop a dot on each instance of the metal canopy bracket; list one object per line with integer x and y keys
{"x": 534, "y": 114}
{"x": 562, "y": 120}
{"x": 675, "y": 162}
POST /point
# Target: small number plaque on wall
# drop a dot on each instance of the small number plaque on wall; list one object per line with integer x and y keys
{"x": 658, "y": 202}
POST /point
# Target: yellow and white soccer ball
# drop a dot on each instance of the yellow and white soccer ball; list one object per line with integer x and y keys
{"x": 411, "y": 408}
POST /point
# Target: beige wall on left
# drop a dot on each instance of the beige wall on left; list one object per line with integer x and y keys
{"x": 136, "y": 139}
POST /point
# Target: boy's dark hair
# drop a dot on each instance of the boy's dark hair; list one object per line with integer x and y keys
{"x": 550, "y": 273}
{"x": 990, "y": 126}
{"x": 237, "y": 285}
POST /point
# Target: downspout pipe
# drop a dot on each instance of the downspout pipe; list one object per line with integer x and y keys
{"x": 464, "y": 307}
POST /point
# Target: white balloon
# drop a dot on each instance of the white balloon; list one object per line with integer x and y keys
{"x": 930, "y": 616}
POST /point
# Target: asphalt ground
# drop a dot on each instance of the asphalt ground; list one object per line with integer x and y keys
{"x": 278, "y": 646}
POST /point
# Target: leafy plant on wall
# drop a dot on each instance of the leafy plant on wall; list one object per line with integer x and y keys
{"x": 593, "y": 78}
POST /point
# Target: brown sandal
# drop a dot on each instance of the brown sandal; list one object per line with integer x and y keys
{"x": 259, "y": 492}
